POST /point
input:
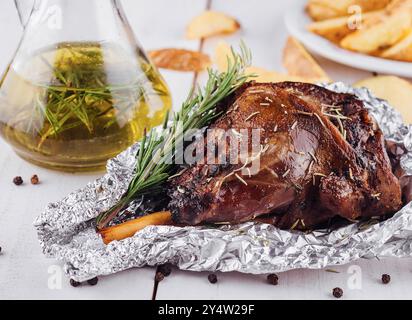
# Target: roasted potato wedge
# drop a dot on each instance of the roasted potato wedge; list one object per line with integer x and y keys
{"x": 180, "y": 59}
{"x": 391, "y": 28}
{"x": 319, "y": 12}
{"x": 397, "y": 91}
{"x": 298, "y": 62}
{"x": 402, "y": 51}
{"x": 398, "y": 4}
{"x": 326, "y": 9}
{"x": 337, "y": 29}
{"x": 332, "y": 29}
{"x": 211, "y": 23}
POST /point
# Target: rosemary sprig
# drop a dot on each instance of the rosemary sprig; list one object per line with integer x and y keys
{"x": 198, "y": 111}
{"x": 79, "y": 95}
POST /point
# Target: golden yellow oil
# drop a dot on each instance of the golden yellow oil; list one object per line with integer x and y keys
{"x": 74, "y": 106}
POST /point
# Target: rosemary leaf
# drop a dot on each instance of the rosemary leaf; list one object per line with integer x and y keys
{"x": 332, "y": 271}
{"x": 198, "y": 111}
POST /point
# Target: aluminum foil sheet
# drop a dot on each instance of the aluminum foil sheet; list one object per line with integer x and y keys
{"x": 66, "y": 228}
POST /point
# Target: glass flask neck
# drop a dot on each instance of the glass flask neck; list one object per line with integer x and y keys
{"x": 70, "y": 17}
{"x": 53, "y": 9}
{"x": 24, "y": 10}
{"x": 51, "y": 22}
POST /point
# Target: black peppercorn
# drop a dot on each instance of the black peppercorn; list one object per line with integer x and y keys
{"x": 159, "y": 277}
{"x": 74, "y": 283}
{"x": 386, "y": 278}
{"x": 93, "y": 281}
{"x": 273, "y": 279}
{"x": 337, "y": 293}
{"x": 34, "y": 180}
{"x": 18, "y": 181}
{"x": 212, "y": 278}
{"x": 165, "y": 269}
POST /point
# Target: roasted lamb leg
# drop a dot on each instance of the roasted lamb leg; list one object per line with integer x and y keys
{"x": 322, "y": 156}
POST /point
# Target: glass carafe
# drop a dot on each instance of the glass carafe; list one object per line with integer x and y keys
{"x": 80, "y": 89}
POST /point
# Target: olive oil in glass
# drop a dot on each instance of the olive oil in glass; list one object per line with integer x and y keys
{"x": 80, "y": 88}
{"x": 74, "y": 105}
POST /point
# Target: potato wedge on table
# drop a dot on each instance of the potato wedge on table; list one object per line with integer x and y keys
{"x": 337, "y": 29}
{"x": 211, "y": 23}
{"x": 397, "y": 91}
{"x": 401, "y": 51}
{"x": 263, "y": 75}
{"x": 327, "y": 9}
{"x": 223, "y": 54}
{"x": 298, "y": 62}
{"x": 180, "y": 59}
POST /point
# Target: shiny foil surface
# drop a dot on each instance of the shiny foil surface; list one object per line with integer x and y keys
{"x": 66, "y": 229}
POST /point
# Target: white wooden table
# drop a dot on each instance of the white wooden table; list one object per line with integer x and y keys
{"x": 26, "y": 274}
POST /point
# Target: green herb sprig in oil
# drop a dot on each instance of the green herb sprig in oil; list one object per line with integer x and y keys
{"x": 79, "y": 94}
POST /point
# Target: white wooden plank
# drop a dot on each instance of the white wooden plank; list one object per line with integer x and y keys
{"x": 161, "y": 24}
{"x": 296, "y": 284}
{"x": 24, "y": 271}
{"x": 10, "y": 32}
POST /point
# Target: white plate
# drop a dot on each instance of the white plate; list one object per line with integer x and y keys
{"x": 297, "y": 20}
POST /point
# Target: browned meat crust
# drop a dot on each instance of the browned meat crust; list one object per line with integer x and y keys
{"x": 323, "y": 157}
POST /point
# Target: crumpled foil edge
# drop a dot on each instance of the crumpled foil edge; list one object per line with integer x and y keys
{"x": 66, "y": 229}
